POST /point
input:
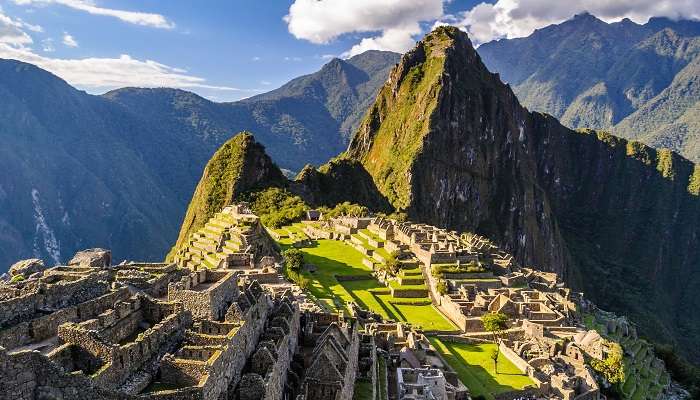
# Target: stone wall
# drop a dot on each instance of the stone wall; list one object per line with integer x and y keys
{"x": 205, "y": 303}
{"x": 47, "y": 296}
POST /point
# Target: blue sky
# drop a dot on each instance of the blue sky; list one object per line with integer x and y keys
{"x": 227, "y": 50}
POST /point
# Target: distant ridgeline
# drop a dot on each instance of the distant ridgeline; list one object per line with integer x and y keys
{"x": 132, "y": 148}
{"x": 637, "y": 80}
{"x": 447, "y": 143}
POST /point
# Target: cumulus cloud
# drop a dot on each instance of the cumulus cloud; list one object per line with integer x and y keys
{"x": 69, "y": 40}
{"x": 12, "y": 30}
{"x": 517, "y": 18}
{"x": 394, "y": 23}
{"x": 88, "y": 6}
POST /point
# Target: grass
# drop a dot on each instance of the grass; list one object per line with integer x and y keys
{"x": 475, "y": 368}
{"x": 336, "y": 258}
{"x": 363, "y": 390}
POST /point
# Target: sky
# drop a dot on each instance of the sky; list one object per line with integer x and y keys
{"x": 226, "y": 50}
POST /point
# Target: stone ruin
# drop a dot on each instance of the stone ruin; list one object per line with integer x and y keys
{"x": 220, "y": 322}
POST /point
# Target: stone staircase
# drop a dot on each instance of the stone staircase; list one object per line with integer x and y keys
{"x": 211, "y": 244}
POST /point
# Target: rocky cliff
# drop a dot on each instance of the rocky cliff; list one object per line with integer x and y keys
{"x": 449, "y": 143}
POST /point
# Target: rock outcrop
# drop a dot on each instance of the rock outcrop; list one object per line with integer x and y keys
{"x": 27, "y": 267}
{"x": 92, "y": 258}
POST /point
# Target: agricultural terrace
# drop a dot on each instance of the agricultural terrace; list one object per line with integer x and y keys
{"x": 340, "y": 277}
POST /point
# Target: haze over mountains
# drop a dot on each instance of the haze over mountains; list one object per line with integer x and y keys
{"x": 639, "y": 81}
{"x": 117, "y": 170}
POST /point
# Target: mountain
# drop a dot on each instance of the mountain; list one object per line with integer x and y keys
{"x": 637, "y": 80}
{"x": 117, "y": 171}
{"x": 238, "y": 166}
{"x": 308, "y": 120}
{"x": 449, "y": 143}
{"x": 74, "y": 175}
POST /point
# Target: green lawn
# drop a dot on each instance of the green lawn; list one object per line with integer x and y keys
{"x": 336, "y": 258}
{"x": 475, "y": 368}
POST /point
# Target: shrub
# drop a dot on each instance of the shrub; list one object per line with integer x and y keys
{"x": 17, "y": 278}
{"x": 392, "y": 263}
{"x": 345, "y": 209}
{"x": 276, "y": 207}
{"x": 439, "y": 270}
{"x": 613, "y": 367}
{"x": 442, "y": 287}
{"x": 293, "y": 260}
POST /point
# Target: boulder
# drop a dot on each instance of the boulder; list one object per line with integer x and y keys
{"x": 27, "y": 267}
{"x": 36, "y": 275}
{"x": 92, "y": 258}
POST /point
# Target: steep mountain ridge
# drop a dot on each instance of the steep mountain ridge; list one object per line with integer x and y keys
{"x": 238, "y": 166}
{"x": 591, "y": 74}
{"x": 117, "y": 170}
{"x": 594, "y": 207}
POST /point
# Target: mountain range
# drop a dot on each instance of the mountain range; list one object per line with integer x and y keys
{"x": 450, "y": 145}
{"x": 117, "y": 170}
{"x": 639, "y": 81}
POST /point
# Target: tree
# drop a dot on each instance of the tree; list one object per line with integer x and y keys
{"x": 613, "y": 367}
{"x": 494, "y": 357}
{"x": 495, "y": 323}
{"x": 393, "y": 265}
{"x": 293, "y": 260}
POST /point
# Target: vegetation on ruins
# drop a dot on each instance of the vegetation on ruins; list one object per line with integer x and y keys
{"x": 442, "y": 287}
{"x": 344, "y": 209}
{"x": 276, "y": 207}
{"x": 439, "y": 270}
{"x": 392, "y": 264}
{"x": 335, "y": 259}
{"x": 613, "y": 367}
{"x": 17, "y": 278}
{"x": 293, "y": 259}
{"x": 495, "y": 323}
{"x": 239, "y": 166}
{"x": 293, "y": 262}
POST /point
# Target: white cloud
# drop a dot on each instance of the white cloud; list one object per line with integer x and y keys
{"x": 395, "y": 23}
{"x": 12, "y": 31}
{"x": 88, "y": 6}
{"x": 256, "y": 58}
{"x": 517, "y": 18}
{"x": 295, "y": 59}
{"x": 69, "y": 40}
{"x": 99, "y": 74}
{"x": 47, "y": 45}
